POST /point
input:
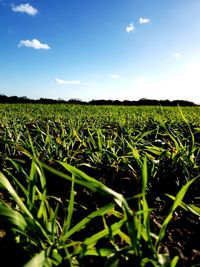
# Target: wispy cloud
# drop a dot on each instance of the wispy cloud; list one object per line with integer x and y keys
{"x": 88, "y": 83}
{"x": 130, "y": 28}
{"x": 36, "y": 44}
{"x": 144, "y": 20}
{"x": 25, "y": 8}
{"x": 73, "y": 82}
{"x": 114, "y": 76}
{"x": 177, "y": 55}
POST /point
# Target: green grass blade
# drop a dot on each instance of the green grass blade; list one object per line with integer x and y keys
{"x": 99, "y": 136}
{"x": 174, "y": 261}
{"x": 144, "y": 175}
{"x": 38, "y": 260}
{"x": 144, "y": 262}
{"x": 31, "y": 185}
{"x": 97, "y": 186}
{"x": 112, "y": 230}
{"x": 134, "y": 152}
{"x": 100, "y": 252}
{"x": 70, "y": 207}
{"x": 7, "y": 185}
{"x": 13, "y": 217}
{"x": 89, "y": 182}
{"x": 54, "y": 223}
{"x": 82, "y": 224}
{"x": 187, "y": 122}
{"x": 113, "y": 261}
{"x": 188, "y": 207}
{"x": 41, "y": 175}
{"x": 146, "y": 232}
{"x": 176, "y": 203}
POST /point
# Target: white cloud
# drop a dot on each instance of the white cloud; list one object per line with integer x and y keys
{"x": 33, "y": 44}
{"x": 144, "y": 20}
{"x": 25, "y": 8}
{"x": 73, "y": 82}
{"x": 89, "y": 83}
{"x": 130, "y": 28}
{"x": 114, "y": 76}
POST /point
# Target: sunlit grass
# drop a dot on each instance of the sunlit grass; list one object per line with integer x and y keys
{"x": 79, "y": 182}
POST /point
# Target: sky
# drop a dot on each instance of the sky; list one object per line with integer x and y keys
{"x": 100, "y": 49}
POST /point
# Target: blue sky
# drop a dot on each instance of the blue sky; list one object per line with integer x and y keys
{"x": 100, "y": 49}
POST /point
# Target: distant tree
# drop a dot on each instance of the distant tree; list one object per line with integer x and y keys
{"x": 75, "y": 101}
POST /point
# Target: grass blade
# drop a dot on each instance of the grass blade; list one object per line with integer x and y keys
{"x": 13, "y": 217}
{"x": 7, "y": 185}
{"x": 86, "y": 220}
{"x": 70, "y": 207}
{"x": 176, "y": 203}
{"x": 38, "y": 260}
{"x": 112, "y": 230}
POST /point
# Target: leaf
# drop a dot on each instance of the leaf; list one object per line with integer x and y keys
{"x": 176, "y": 203}
{"x": 144, "y": 262}
{"x": 57, "y": 257}
{"x": 112, "y": 230}
{"x": 112, "y": 261}
{"x": 38, "y": 260}
{"x": 101, "y": 252}
{"x": 174, "y": 261}
{"x": 188, "y": 207}
{"x": 7, "y": 185}
{"x": 83, "y": 179}
{"x": 144, "y": 175}
{"x": 58, "y": 140}
{"x": 13, "y": 217}
{"x": 134, "y": 152}
{"x": 125, "y": 237}
{"x": 82, "y": 224}
{"x": 70, "y": 207}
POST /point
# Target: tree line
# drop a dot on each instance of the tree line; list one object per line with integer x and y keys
{"x": 141, "y": 102}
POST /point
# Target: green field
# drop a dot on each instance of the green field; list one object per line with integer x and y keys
{"x": 107, "y": 184}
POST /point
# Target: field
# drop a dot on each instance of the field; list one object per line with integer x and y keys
{"x": 117, "y": 186}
